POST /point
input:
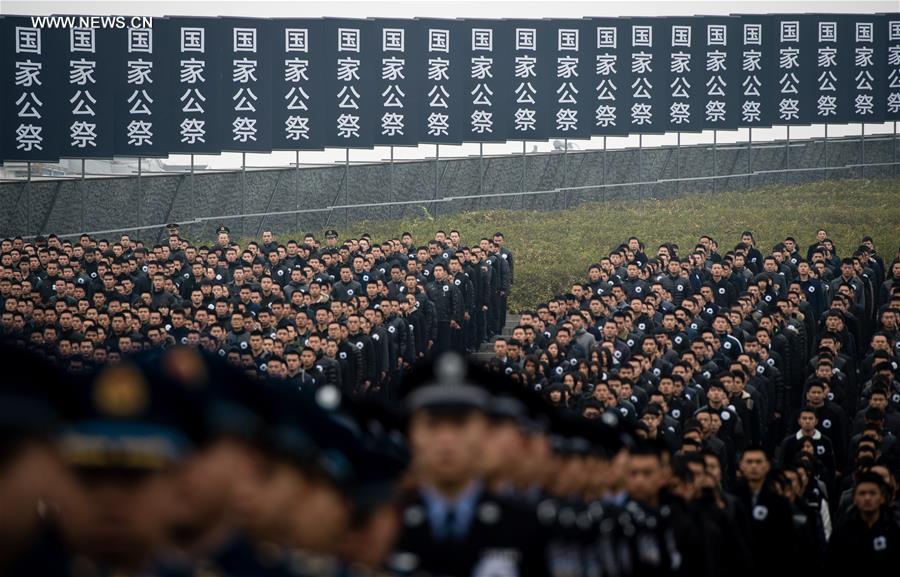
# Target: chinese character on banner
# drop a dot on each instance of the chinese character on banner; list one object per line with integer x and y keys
{"x": 642, "y": 71}
{"x": 827, "y": 74}
{"x": 394, "y": 83}
{"x": 525, "y": 81}
{"x": 567, "y": 75}
{"x": 863, "y": 71}
{"x": 606, "y": 79}
{"x": 30, "y": 93}
{"x": 349, "y": 44}
{"x": 481, "y": 74}
{"x": 717, "y": 73}
{"x": 681, "y": 74}
{"x": 789, "y": 73}
{"x": 437, "y": 98}
{"x": 141, "y": 92}
{"x": 192, "y": 86}
{"x": 892, "y": 100}
{"x": 752, "y": 73}
{"x": 83, "y": 81}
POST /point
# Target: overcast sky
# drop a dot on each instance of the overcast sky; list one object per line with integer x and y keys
{"x": 462, "y": 9}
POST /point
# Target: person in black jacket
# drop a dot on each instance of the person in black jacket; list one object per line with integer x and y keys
{"x": 448, "y": 304}
{"x": 868, "y": 543}
{"x": 771, "y": 523}
{"x": 452, "y": 524}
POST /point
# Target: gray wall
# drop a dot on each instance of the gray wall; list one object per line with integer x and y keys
{"x": 109, "y": 203}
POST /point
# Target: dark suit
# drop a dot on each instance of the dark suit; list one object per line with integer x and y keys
{"x": 502, "y": 538}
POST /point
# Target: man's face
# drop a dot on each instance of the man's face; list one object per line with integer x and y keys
{"x": 868, "y": 498}
{"x": 878, "y": 401}
{"x": 754, "y": 466}
{"x": 119, "y": 520}
{"x": 815, "y": 396}
{"x": 645, "y": 477}
{"x": 447, "y": 447}
{"x": 807, "y": 421}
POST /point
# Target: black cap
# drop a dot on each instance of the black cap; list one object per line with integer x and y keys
{"x": 222, "y": 228}
{"x": 447, "y": 388}
{"x": 331, "y": 233}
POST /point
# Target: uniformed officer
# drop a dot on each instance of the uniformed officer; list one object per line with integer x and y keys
{"x": 331, "y": 237}
{"x": 452, "y": 524}
{"x": 122, "y": 448}
{"x": 222, "y": 237}
{"x": 31, "y": 472}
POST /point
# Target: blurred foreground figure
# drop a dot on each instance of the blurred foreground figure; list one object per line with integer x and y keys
{"x": 31, "y": 472}
{"x": 117, "y": 497}
{"x": 453, "y": 524}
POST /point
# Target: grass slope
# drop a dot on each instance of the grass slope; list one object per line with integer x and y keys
{"x": 553, "y": 249}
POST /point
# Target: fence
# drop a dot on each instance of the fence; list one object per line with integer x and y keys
{"x": 301, "y": 198}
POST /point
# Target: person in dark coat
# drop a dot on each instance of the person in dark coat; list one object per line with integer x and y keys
{"x": 868, "y": 543}
{"x": 771, "y": 522}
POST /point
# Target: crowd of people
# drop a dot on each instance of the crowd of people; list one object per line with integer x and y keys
{"x": 354, "y": 314}
{"x": 306, "y": 408}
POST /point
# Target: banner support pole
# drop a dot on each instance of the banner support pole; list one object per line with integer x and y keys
{"x": 565, "y": 162}
{"x": 297, "y": 191}
{"x": 243, "y": 191}
{"x": 787, "y": 153}
{"x": 749, "y": 155}
{"x": 391, "y": 179}
{"x": 524, "y": 142}
{"x": 480, "y": 168}
{"x": 437, "y": 160}
{"x": 346, "y": 186}
{"x": 678, "y": 164}
{"x": 825, "y": 144}
{"x": 139, "y": 192}
{"x": 640, "y": 158}
{"x": 862, "y": 144}
{"x": 715, "y": 161}
{"x": 604, "y": 162}
{"x": 27, "y": 201}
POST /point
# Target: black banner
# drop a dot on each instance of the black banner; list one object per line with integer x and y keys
{"x": 867, "y": 68}
{"x": 892, "y": 58}
{"x": 32, "y": 73}
{"x": 195, "y": 101}
{"x": 397, "y": 104}
{"x": 605, "y": 42}
{"x": 297, "y": 71}
{"x": 487, "y": 47}
{"x": 141, "y": 81}
{"x": 87, "y": 98}
{"x": 94, "y": 88}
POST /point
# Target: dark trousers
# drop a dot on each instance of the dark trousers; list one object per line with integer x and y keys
{"x": 442, "y": 337}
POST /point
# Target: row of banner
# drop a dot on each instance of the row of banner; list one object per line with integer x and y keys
{"x": 194, "y": 85}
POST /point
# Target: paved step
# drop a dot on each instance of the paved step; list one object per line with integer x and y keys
{"x": 481, "y": 357}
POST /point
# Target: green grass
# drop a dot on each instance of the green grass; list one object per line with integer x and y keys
{"x": 553, "y": 249}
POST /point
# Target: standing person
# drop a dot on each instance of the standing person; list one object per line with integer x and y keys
{"x": 452, "y": 524}
{"x": 507, "y": 256}
{"x": 868, "y": 543}
{"x": 771, "y": 523}
{"x": 448, "y": 303}
{"x": 30, "y": 467}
